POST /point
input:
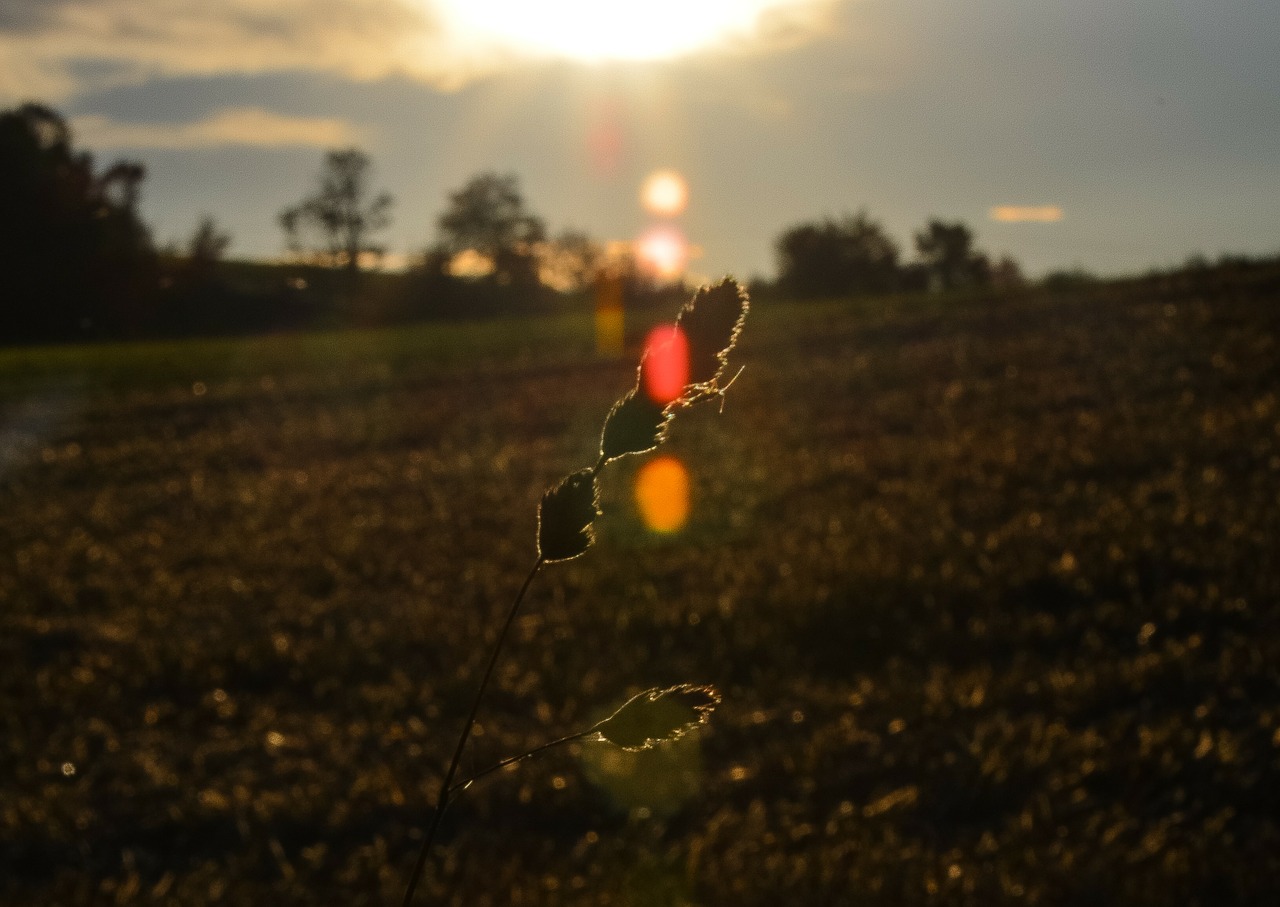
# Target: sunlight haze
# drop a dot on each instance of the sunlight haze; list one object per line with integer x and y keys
{"x": 1113, "y": 138}
{"x": 592, "y": 32}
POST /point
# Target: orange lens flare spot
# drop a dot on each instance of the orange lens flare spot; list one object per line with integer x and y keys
{"x": 666, "y": 364}
{"x": 662, "y": 494}
{"x": 664, "y": 193}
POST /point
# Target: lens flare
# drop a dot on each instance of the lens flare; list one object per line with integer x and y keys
{"x": 666, "y": 364}
{"x": 662, "y": 494}
{"x": 610, "y": 323}
{"x": 606, "y": 138}
{"x": 663, "y": 252}
{"x": 664, "y": 193}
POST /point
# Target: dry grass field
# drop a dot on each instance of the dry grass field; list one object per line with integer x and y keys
{"x": 991, "y": 587}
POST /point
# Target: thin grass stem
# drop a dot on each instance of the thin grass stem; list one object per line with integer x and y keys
{"x": 442, "y": 797}
{"x": 512, "y": 760}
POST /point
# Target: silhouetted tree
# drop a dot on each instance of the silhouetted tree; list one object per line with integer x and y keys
{"x": 837, "y": 258}
{"x": 488, "y": 216}
{"x": 947, "y": 252}
{"x": 1006, "y": 274}
{"x": 77, "y": 259}
{"x": 208, "y": 243}
{"x": 336, "y": 222}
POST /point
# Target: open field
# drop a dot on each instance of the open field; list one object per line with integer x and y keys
{"x": 991, "y": 588}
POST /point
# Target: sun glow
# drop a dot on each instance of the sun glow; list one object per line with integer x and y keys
{"x": 663, "y": 252}
{"x": 664, "y": 193}
{"x": 592, "y": 31}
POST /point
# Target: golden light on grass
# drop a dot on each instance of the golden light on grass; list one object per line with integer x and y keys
{"x": 664, "y": 193}
{"x": 662, "y": 494}
{"x": 1026, "y": 214}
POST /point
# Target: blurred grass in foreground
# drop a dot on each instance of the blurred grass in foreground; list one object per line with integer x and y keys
{"x": 989, "y": 586}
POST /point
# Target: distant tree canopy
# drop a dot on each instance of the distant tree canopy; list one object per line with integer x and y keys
{"x": 852, "y": 256}
{"x": 335, "y": 223}
{"x": 946, "y": 250}
{"x": 78, "y": 261}
{"x": 487, "y": 217}
{"x": 206, "y": 247}
{"x": 571, "y": 261}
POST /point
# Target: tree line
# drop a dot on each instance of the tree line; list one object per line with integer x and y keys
{"x": 853, "y": 256}
{"x": 80, "y": 262}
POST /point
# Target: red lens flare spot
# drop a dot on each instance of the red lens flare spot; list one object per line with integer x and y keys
{"x": 606, "y": 139}
{"x": 662, "y": 494}
{"x": 666, "y": 364}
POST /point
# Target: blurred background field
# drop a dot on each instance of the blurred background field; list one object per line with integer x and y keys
{"x": 989, "y": 583}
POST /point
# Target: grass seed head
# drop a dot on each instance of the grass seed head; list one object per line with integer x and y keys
{"x": 565, "y": 516}
{"x": 657, "y": 716}
{"x": 711, "y": 322}
{"x": 635, "y": 425}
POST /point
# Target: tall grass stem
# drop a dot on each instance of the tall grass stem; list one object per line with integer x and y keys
{"x": 442, "y": 798}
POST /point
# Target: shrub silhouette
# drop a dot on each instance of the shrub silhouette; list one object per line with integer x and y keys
{"x": 710, "y": 323}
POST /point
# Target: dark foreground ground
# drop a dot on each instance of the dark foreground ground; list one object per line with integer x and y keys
{"x": 991, "y": 589}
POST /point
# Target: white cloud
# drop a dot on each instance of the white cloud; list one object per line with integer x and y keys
{"x": 244, "y": 126}
{"x": 45, "y": 49}
{"x": 141, "y": 39}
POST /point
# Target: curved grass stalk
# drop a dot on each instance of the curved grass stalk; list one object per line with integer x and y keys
{"x": 442, "y": 797}
{"x": 710, "y": 325}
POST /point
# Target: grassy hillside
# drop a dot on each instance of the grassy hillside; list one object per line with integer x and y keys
{"x": 990, "y": 587}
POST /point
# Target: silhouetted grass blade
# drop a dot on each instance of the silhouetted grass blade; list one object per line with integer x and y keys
{"x": 656, "y": 716}
{"x": 711, "y": 322}
{"x": 565, "y": 516}
{"x": 635, "y": 425}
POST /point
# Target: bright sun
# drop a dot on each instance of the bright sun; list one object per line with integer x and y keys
{"x": 592, "y": 30}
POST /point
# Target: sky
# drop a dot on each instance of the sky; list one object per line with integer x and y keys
{"x": 1108, "y": 135}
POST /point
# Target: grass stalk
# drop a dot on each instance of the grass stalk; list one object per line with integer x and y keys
{"x": 446, "y": 785}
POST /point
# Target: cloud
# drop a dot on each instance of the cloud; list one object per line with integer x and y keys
{"x": 244, "y": 126}
{"x": 1023, "y": 214}
{"x": 49, "y": 45}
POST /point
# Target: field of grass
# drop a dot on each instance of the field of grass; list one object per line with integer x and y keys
{"x": 991, "y": 588}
